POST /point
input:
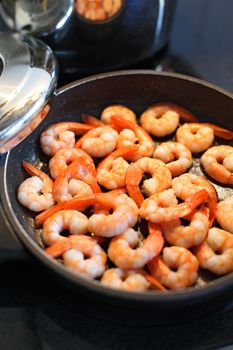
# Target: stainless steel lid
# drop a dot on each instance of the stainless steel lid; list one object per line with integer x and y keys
{"x": 28, "y": 75}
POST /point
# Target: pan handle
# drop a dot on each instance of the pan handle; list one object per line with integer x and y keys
{"x": 10, "y": 247}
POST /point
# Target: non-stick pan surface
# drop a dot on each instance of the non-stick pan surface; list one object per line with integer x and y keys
{"x": 137, "y": 90}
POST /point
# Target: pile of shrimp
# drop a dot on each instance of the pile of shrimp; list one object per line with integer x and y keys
{"x": 121, "y": 204}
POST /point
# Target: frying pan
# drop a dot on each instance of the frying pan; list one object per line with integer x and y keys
{"x": 136, "y": 89}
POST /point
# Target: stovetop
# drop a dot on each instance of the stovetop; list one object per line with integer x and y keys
{"x": 31, "y": 315}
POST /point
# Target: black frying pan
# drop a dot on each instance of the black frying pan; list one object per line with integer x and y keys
{"x": 137, "y": 90}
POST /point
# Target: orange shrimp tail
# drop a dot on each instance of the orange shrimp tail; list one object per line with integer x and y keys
{"x": 154, "y": 282}
{"x": 78, "y": 128}
{"x": 59, "y": 247}
{"x": 133, "y": 177}
{"x": 121, "y": 123}
{"x": 155, "y": 240}
{"x": 184, "y": 209}
{"x": 80, "y": 204}
{"x": 33, "y": 171}
{"x": 92, "y": 121}
{"x": 224, "y": 134}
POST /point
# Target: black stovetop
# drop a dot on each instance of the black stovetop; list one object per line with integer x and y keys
{"x": 31, "y": 316}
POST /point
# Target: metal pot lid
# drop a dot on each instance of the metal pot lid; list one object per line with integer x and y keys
{"x": 28, "y": 76}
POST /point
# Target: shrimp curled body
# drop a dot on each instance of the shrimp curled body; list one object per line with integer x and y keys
{"x": 218, "y": 163}
{"x": 125, "y": 215}
{"x": 216, "y": 252}
{"x": 196, "y": 137}
{"x": 125, "y": 279}
{"x": 121, "y": 250}
{"x": 180, "y": 259}
{"x": 177, "y": 157}
{"x": 72, "y": 220}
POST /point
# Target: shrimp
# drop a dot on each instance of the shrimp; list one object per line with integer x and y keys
{"x": 75, "y": 249}
{"x": 125, "y": 280}
{"x": 195, "y": 136}
{"x": 224, "y": 214}
{"x": 59, "y": 162}
{"x": 138, "y": 134}
{"x": 35, "y": 193}
{"x": 163, "y": 207}
{"x": 72, "y": 220}
{"x": 61, "y": 135}
{"x": 187, "y": 184}
{"x": 92, "y": 121}
{"x": 179, "y": 259}
{"x": 187, "y": 236}
{"x": 125, "y": 215}
{"x": 159, "y": 121}
{"x": 160, "y": 180}
{"x": 218, "y": 163}
{"x": 77, "y": 180}
{"x": 111, "y": 170}
{"x": 117, "y": 110}
{"x": 123, "y": 255}
{"x": 216, "y": 252}
{"x": 98, "y": 142}
{"x": 168, "y": 151}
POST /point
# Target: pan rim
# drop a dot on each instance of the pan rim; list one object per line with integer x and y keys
{"x": 196, "y": 293}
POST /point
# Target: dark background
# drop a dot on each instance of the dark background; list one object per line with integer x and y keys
{"x": 31, "y": 317}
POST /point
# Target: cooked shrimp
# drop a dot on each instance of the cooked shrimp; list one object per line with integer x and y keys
{"x": 163, "y": 207}
{"x": 224, "y": 214}
{"x": 125, "y": 215}
{"x": 218, "y": 163}
{"x": 179, "y": 259}
{"x": 59, "y": 162}
{"x": 82, "y": 254}
{"x": 35, "y": 193}
{"x": 177, "y": 157}
{"x": 138, "y": 134}
{"x": 111, "y": 170}
{"x": 98, "y": 142}
{"x": 159, "y": 121}
{"x": 72, "y": 220}
{"x": 216, "y": 252}
{"x": 124, "y": 279}
{"x": 187, "y": 184}
{"x": 67, "y": 185}
{"x": 117, "y": 110}
{"x": 187, "y": 236}
{"x": 195, "y": 136}
{"x": 123, "y": 255}
{"x": 160, "y": 180}
{"x": 61, "y": 135}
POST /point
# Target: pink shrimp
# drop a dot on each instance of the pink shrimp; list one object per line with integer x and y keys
{"x": 111, "y": 170}
{"x": 61, "y": 135}
{"x": 82, "y": 254}
{"x": 163, "y": 207}
{"x": 98, "y": 142}
{"x": 123, "y": 255}
{"x": 59, "y": 162}
{"x": 125, "y": 215}
{"x": 35, "y": 193}
{"x": 160, "y": 180}
{"x": 179, "y": 259}
{"x": 79, "y": 170}
{"x": 145, "y": 142}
